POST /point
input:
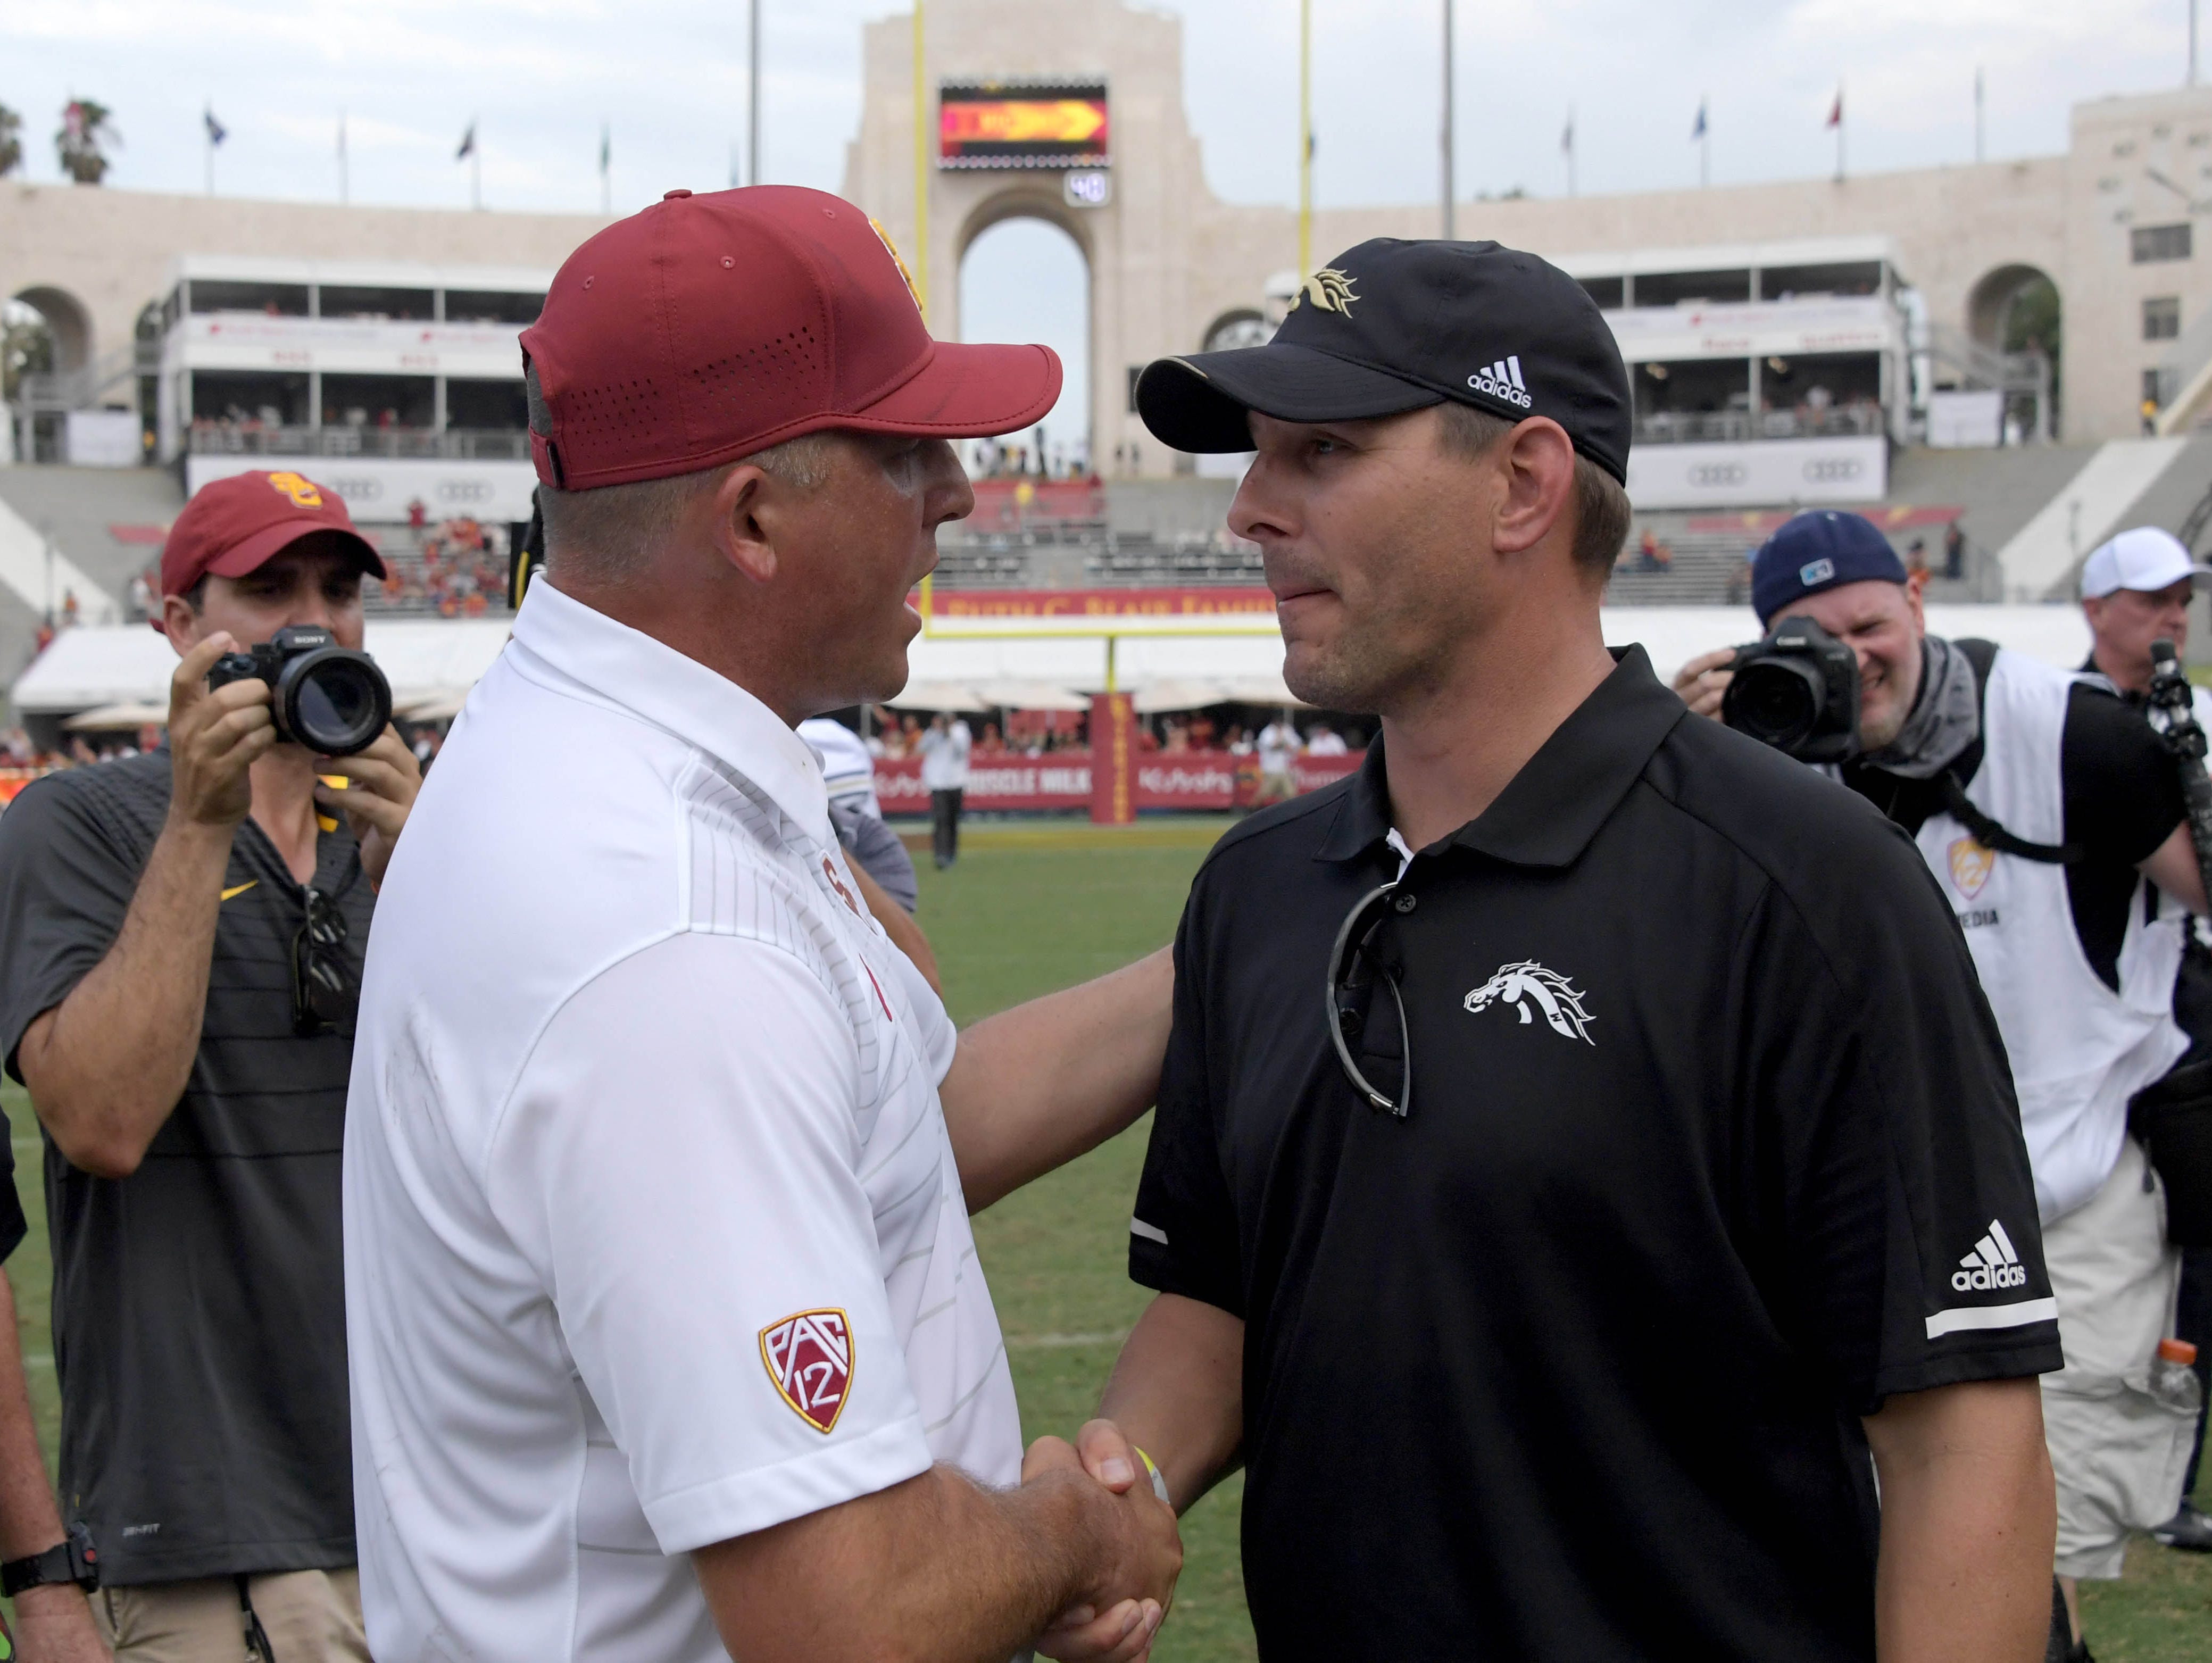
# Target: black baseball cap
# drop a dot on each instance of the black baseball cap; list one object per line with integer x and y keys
{"x": 1393, "y": 325}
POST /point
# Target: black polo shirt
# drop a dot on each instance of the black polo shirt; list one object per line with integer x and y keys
{"x": 198, "y": 1304}
{"x": 1570, "y": 1363}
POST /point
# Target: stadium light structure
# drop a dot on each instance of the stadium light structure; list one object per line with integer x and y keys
{"x": 1449, "y": 234}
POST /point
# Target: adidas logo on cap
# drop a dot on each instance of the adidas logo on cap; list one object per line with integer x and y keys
{"x": 1993, "y": 1264}
{"x": 1502, "y": 380}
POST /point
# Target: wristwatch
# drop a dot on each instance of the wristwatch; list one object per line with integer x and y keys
{"x": 73, "y": 1560}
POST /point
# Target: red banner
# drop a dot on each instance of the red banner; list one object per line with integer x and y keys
{"x": 1212, "y": 781}
{"x": 1060, "y": 780}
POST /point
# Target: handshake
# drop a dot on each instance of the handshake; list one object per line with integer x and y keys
{"x": 1130, "y": 1576}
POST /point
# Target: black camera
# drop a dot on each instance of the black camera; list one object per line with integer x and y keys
{"x": 328, "y": 698}
{"x": 1797, "y": 690}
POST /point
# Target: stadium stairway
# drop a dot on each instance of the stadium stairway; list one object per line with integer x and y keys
{"x": 104, "y": 524}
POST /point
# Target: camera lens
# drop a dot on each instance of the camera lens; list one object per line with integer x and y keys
{"x": 1776, "y": 701}
{"x": 335, "y": 701}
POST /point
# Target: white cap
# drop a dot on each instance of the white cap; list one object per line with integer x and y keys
{"x": 2145, "y": 558}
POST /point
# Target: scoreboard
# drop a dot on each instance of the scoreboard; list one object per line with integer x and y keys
{"x": 1025, "y": 124}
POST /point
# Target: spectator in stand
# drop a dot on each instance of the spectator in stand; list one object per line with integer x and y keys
{"x": 1279, "y": 747}
{"x": 1239, "y": 743}
{"x": 990, "y": 744}
{"x": 1954, "y": 552}
{"x": 142, "y": 598}
{"x": 1739, "y": 579}
{"x": 944, "y": 749}
{"x": 418, "y": 515}
{"x": 69, "y": 608}
{"x": 1916, "y": 558}
{"x": 1322, "y": 740}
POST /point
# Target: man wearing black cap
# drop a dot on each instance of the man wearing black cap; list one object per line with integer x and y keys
{"x": 1531, "y": 1209}
{"x": 2051, "y": 817}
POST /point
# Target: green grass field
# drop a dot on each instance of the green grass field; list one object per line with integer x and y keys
{"x": 1030, "y": 909}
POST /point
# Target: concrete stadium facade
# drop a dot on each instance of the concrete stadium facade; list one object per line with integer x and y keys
{"x": 1169, "y": 261}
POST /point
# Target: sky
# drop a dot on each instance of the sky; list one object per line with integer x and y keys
{"x": 666, "y": 79}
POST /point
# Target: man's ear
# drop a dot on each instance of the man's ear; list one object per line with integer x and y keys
{"x": 1915, "y": 582}
{"x": 179, "y": 624}
{"x": 1538, "y": 461}
{"x": 743, "y": 511}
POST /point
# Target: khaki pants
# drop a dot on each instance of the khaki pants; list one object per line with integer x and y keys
{"x": 2117, "y": 1452}
{"x": 310, "y": 1615}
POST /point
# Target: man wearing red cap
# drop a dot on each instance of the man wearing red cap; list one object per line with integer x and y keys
{"x": 180, "y": 938}
{"x": 668, "y": 1335}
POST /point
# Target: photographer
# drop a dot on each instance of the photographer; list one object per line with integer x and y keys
{"x": 2042, "y": 805}
{"x": 180, "y": 943}
{"x": 2135, "y": 590}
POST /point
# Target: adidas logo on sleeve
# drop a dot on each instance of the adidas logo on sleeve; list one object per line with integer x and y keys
{"x": 1502, "y": 380}
{"x": 1993, "y": 1264}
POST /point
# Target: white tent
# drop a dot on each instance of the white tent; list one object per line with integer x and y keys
{"x": 423, "y": 659}
{"x": 437, "y": 660}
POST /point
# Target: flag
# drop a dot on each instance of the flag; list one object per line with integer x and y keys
{"x": 606, "y": 148}
{"x": 468, "y": 144}
{"x": 1698, "y": 131}
{"x": 1836, "y": 109}
{"x": 216, "y": 132}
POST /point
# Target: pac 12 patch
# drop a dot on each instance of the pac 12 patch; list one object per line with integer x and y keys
{"x": 809, "y": 1357}
{"x": 1971, "y": 866}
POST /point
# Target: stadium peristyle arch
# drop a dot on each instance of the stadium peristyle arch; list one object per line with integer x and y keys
{"x": 983, "y": 238}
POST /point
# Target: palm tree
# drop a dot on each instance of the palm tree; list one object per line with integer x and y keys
{"x": 11, "y": 141}
{"x": 80, "y": 142}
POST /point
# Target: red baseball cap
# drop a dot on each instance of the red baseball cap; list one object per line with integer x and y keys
{"x": 709, "y": 327}
{"x": 232, "y": 525}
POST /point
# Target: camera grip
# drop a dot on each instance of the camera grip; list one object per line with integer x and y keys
{"x": 233, "y": 667}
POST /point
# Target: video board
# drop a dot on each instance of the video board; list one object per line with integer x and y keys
{"x": 1022, "y": 124}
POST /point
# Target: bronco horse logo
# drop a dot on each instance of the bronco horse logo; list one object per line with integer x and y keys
{"x": 1529, "y": 983}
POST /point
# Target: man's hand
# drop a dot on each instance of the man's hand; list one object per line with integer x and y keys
{"x": 54, "y": 1624}
{"x": 214, "y": 736}
{"x": 384, "y": 779}
{"x": 1123, "y": 1632}
{"x": 1702, "y": 681}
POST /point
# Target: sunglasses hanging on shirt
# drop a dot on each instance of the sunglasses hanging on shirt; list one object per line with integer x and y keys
{"x": 323, "y": 998}
{"x": 1356, "y": 972}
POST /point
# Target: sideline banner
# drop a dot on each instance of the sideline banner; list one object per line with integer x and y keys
{"x": 1207, "y": 781}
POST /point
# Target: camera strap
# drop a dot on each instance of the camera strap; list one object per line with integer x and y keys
{"x": 1993, "y": 836}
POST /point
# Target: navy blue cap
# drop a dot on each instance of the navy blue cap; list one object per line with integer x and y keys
{"x": 1817, "y": 550}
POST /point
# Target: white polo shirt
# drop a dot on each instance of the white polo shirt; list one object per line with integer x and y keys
{"x": 653, "y": 1235}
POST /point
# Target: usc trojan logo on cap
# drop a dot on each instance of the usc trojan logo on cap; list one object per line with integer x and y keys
{"x": 303, "y": 491}
{"x": 891, "y": 248}
{"x": 809, "y": 1357}
{"x": 1330, "y": 289}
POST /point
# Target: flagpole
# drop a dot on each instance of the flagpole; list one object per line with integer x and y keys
{"x": 1704, "y": 141}
{"x": 1305, "y": 139}
{"x": 1448, "y": 231}
{"x": 606, "y": 184}
{"x": 1571, "y": 149}
{"x": 752, "y": 94}
{"x": 921, "y": 173}
{"x": 1978, "y": 124}
{"x": 1840, "y": 132}
{"x": 206, "y": 138}
{"x": 344, "y": 183}
{"x": 476, "y": 167}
